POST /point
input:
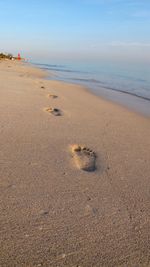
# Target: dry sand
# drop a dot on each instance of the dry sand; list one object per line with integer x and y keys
{"x": 51, "y": 212}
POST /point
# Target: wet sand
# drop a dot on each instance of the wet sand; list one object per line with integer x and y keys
{"x": 55, "y": 210}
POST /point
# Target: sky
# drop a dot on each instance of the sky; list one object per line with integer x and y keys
{"x": 43, "y": 30}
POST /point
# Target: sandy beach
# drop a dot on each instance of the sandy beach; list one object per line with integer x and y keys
{"x": 53, "y": 212}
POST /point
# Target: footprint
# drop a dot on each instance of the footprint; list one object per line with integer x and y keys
{"x": 42, "y": 87}
{"x": 54, "y": 111}
{"x": 90, "y": 210}
{"x": 85, "y": 158}
{"x": 52, "y": 96}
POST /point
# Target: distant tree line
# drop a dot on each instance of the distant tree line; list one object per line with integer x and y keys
{"x": 6, "y": 56}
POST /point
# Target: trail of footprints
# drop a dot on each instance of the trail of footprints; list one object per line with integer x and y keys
{"x": 84, "y": 158}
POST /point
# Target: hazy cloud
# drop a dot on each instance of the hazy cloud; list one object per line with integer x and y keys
{"x": 129, "y": 44}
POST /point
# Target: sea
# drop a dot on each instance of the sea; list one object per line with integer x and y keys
{"x": 127, "y": 84}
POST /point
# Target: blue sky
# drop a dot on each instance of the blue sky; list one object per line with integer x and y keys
{"x": 78, "y": 29}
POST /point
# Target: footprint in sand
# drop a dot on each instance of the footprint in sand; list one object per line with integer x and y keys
{"x": 54, "y": 111}
{"x": 90, "y": 210}
{"x": 52, "y": 96}
{"x": 85, "y": 158}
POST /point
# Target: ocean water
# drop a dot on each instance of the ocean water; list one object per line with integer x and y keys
{"x": 128, "y": 84}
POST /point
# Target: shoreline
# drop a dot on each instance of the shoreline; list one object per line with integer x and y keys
{"x": 134, "y": 103}
{"x": 131, "y": 101}
{"x": 52, "y": 212}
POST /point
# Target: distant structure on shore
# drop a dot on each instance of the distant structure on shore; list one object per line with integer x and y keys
{"x": 19, "y": 57}
{"x": 10, "y": 57}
